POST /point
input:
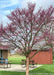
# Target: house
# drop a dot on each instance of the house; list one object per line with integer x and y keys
{"x": 42, "y": 57}
{"x": 4, "y": 50}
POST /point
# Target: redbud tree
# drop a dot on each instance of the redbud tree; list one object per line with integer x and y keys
{"x": 25, "y": 24}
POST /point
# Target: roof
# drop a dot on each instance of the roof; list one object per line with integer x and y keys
{"x": 4, "y": 46}
{"x": 42, "y": 50}
{"x": 45, "y": 48}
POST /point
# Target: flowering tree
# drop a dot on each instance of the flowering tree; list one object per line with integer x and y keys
{"x": 22, "y": 31}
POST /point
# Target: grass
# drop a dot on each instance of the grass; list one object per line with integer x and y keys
{"x": 16, "y": 59}
{"x": 23, "y": 73}
{"x": 11, "y": 73}
{"x": 44, "y": 70}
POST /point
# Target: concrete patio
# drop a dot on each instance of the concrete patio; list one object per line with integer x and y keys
{"x": 18, "y": 68}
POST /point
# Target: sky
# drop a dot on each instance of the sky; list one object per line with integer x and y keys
{"x": 6, "y": 6}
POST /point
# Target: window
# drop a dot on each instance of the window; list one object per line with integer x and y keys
{"x": 1, "y": 52}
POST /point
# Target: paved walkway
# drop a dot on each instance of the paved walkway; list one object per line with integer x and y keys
{"x": 18, "y": 68}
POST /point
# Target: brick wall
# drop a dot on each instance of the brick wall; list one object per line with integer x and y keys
{"x": 42, "y": 57}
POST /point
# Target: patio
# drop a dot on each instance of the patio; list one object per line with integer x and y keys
{"x": 18, "y": 68}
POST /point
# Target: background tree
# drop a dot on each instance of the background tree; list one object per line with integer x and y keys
{"x": 22, "y": 31}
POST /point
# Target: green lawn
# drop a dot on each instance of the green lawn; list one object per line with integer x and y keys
{"x": 16, "y": 59}
{"x": 43, "y": 70}
{"x": 11, "y": 73}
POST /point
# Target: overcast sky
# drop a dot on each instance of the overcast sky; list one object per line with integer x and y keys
{"x": 6, "y": 6}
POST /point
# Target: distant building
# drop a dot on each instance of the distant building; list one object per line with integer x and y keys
{"x": 4, "y": 47}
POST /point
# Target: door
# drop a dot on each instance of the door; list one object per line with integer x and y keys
{"x": 1, "y": 53}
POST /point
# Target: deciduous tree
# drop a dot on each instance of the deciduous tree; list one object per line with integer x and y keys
{"x": 25, "y": 24}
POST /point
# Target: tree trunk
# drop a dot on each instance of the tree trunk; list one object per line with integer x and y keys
{"x": 27, "y": 65}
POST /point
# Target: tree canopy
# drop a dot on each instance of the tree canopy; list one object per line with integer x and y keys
{"x": 23, "y": 30}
